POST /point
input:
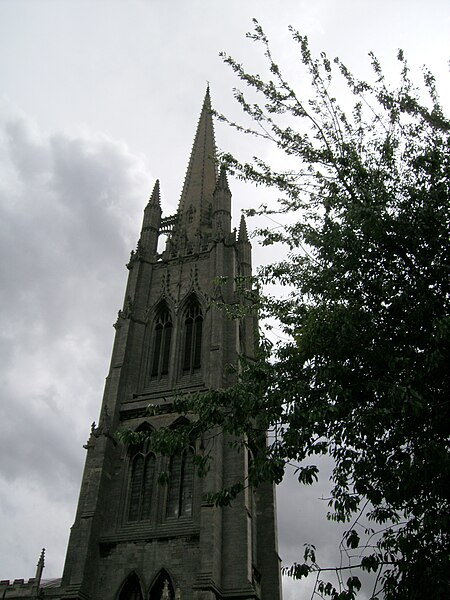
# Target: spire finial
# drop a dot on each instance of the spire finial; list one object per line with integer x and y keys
{"x": 40, "y": 567}
{"x": 201, "y": 176}
{"x": 150, "y": 225}
{"x": 42, "y": 558}
{"x": 207, "y": 98}
{"x": 243, "y": 234}
{"x": 155, "y": 197}
{"x": 222, "y": 182}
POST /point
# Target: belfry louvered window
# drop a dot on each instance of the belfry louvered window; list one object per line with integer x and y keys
{"x": 142, "y": 478}
{"x": 193, "y": 327}
{"x": 181, "y": 484}
{"x": 161, "y": 343}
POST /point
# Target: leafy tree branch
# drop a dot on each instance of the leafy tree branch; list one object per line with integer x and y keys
{"x": 360, "y": 373}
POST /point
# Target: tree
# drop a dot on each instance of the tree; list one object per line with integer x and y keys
{"x": 363, "y": 376}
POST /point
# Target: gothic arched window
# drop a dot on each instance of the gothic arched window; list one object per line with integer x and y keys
{"x": 181, "y": 484}
{"x": 193, "y": 326}
{"x": 142, "y": 477}
{"x": 131, "y": 589}
{"x": 161, "y": 343}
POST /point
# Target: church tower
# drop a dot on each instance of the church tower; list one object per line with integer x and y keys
{"x": 133, "y": 538}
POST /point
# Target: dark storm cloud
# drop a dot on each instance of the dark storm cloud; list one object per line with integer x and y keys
{"x": 69, "y": 215}
{"x": 34, "y": 445}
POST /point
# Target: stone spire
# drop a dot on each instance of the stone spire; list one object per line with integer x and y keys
{"x": 243, "y": 234}
{"x": 222, "y": 182}
{"x": 155, "y": 198}
{"x": 222, "y": 206}
{"x": 152, "y": 220}
{"x": 36, "y": 593}
{"x": 40, "y": 566}
{"x": 195, "y": 205}
{"x": 244, "y": 249}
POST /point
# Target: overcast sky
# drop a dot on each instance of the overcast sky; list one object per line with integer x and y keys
{"x": 98, "y": 98}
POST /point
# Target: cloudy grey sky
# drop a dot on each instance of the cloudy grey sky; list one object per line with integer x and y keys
{"x": 98, "y": 98}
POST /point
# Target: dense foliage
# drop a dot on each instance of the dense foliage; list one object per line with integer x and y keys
{"x": 363, "y": 375}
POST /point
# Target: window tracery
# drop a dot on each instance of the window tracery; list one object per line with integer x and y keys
{"x": 181, "y": 484}
{"x": 193, "y": 329}
{"x": 141, "y": 483}
{"x": 162, "y": 341}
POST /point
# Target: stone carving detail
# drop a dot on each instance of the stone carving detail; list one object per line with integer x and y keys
{"x": 125, "y": 313}
{"x": 135, "y": 255}
{"x": 164, "y": 293}
{"x": 166, "y": 592}
{"x": 93, "y": 436}
{"x": 192, "y": 283}
{"x": 104, "y": 428}
{"x": 127, "y": 309}
{"x": 165, "y": 284}
{"x": 190, "y": 214}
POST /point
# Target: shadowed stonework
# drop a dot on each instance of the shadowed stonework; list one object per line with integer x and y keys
{"x": 134, "y": 539}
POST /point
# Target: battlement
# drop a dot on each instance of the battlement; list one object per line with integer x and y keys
{"x": 18, "y": 582}
{"x": 20, "y": 588}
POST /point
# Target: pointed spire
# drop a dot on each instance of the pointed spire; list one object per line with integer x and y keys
{"x": 155, "y": 198}
{"x": 243, "y": 234}
{"x": 40, "y": 566}
{"x": 221, "y": 214}
{"x": 244, "y": 249}
{"x": 201, "y": 175}
{"x": 152, "y": 220}
{"x": 222, "y": 182}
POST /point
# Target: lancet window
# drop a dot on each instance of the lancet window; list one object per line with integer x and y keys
{"x": 161, "y": 344}
{"x": 193, "y": 328}
{"x": 141, "y": 485}
{"x": 131, "y": 589}
{"x": 181, "y": 484}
